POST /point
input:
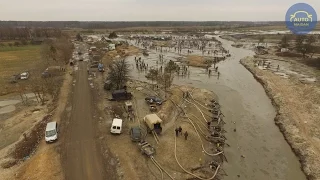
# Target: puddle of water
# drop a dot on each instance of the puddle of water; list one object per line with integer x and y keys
{"x": 9, "y": 102}
{"x": 7, "y": 109}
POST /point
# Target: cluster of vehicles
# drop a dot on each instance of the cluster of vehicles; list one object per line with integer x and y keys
{"x": 152, "y": 121}
{"x": 23, "y": 76}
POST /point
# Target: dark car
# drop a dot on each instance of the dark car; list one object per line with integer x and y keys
{"x": 14, "y": 78}
{"x": 45, "y": 74}
{"x": 135, "y": 134}
{"x": 153, "y": 99}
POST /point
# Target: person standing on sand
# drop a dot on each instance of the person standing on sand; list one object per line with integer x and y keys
{"x": 177, "y": 132}
{"x": 180, "y": 130}
{"x": 218, "y": 75}
{"x": 186, "y": 135}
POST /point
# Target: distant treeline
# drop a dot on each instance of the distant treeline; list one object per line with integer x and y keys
{"x": 24, "y": 33}
{"x": 125, "y": 24}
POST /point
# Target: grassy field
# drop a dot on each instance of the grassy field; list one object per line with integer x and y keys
{"x": 15, "y": 60}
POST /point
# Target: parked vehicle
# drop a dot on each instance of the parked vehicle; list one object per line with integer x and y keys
{"x": 121, "y": 94}
{"x": 52, "y": 71}
{"x": 46, "y": 74}
{"x": 135, "y": 134}
{"x": 15, "y": 78}
{"x": 51, "y": 133}
{"x": 116, "y": 126}
{"x": 24, "y": 75}
{"x": 100, "y": 67}
{"x": 128, "y": 106}
{"x": 153, "y": 99}
{"x": 146, "y": 148}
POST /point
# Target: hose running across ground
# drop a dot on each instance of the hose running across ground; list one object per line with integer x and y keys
{"x": 157, "y": 167}
{"x": 198, "y": 109}
{"x": 175, "y": 155}
{"x": 216, "y": 154}
{"x": 156, "y": 162}
{"x": 175, "y": 151}
{"x": 197, "y": 101}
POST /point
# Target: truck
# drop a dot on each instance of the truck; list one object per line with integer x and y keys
{"x": 121, "y": 94}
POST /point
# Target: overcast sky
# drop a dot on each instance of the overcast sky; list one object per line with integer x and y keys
{"x": 152, "y": 10}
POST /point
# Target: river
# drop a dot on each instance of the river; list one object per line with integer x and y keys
{"x": 258, "y": 150}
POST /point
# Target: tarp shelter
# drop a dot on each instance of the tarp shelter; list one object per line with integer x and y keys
{"x": 153, "y": 122}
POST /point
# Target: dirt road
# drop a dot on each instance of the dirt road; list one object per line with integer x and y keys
{"x": 82, "y": 157}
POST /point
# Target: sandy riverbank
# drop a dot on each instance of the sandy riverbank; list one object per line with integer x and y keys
{"x": 298, "y": 111}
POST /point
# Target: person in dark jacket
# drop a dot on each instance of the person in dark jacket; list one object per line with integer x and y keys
{"x": 177, "y": 132}
{"x": 180, "y": 130}
{"x": 186, "y": 135}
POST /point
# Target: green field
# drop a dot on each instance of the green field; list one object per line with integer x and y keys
{"x": 15, "y": 60}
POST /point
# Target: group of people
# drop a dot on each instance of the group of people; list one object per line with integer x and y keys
{"x": 140, "y": 65}
{"x": 178, "y": 131}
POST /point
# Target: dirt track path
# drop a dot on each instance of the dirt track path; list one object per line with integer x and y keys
{"x": 82, "y": 159}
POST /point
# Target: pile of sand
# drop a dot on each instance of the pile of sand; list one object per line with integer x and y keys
{"x": 196, "y": 61}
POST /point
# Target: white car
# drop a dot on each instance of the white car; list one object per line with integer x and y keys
{"x": 51, "y": 133}
{"x": 24, "y": 75}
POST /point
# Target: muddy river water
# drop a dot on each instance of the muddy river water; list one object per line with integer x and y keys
{"x": 258, "y": 150}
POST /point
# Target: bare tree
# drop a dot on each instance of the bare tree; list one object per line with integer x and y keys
{"x": 79, "y": 38}
{"x": 39, "y": 89}
{"x": 48, "y": 52}
{"x": 284, "y": 41}
{"x": 64, "y": 49}
{"x": 261, "y": 39}
{"x": 165, "y": 79}
{"x": 113, "y": 35}
{"x": 153, "y": 75}
{"x": 119, "y": 73}
{"x": 57, "y": 51}
{"x": 304, "y": 44}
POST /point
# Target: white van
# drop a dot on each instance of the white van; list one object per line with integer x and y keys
{"x": 51, "y": 132}
{"x": 116, "y": 126}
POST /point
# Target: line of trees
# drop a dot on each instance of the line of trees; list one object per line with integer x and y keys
{"x": 13, "y": 33}
{"x": 124, "y": 24}
{"x": 54, "y": 52}
{"x": 119, "y": 70}
{"x": 164, "y": 79}
{"x": 303, "y": 44}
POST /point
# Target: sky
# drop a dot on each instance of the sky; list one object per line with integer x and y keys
{"x": 148, "y": 10}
